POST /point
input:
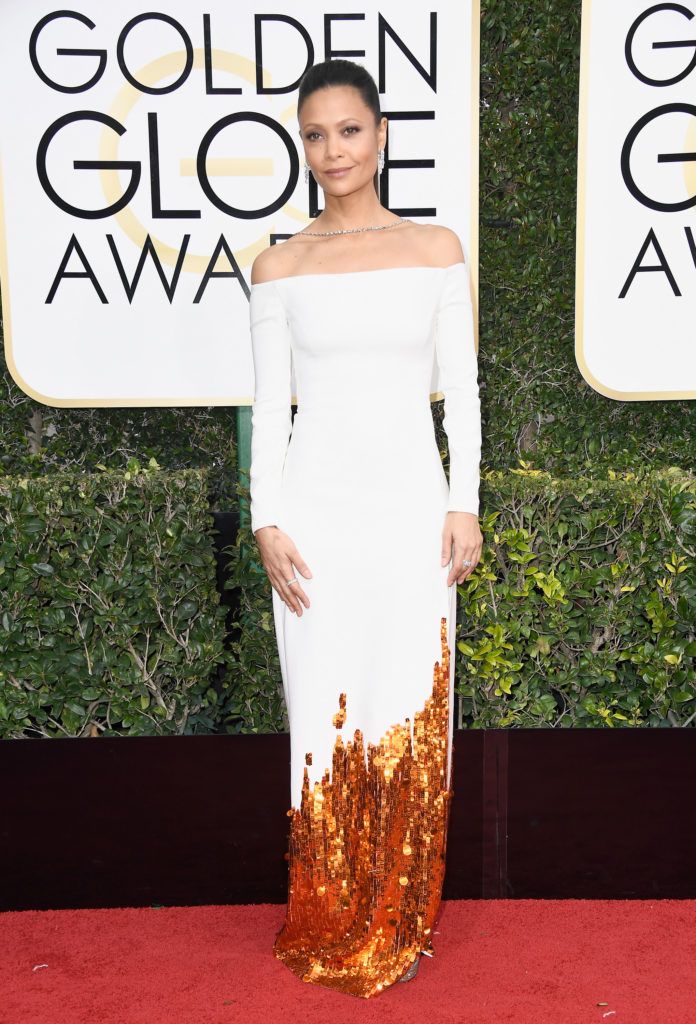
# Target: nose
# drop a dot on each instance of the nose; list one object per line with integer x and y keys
{"x": 333, "y": 146}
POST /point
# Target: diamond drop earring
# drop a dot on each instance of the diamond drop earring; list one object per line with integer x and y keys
{"x": 380, "y": 161}
{"x": 306, "y": 173}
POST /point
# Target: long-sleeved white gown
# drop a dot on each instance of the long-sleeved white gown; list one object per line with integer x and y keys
{"x": 357, "y": 482}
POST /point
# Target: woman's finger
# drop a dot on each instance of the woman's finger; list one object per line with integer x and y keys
{"x": 282, "y": 561}
{"x": 460, "y": 552}
{"x": 446, "y": 550}
{"x": 472, "y": 553}
{"x": 292, "y": 592}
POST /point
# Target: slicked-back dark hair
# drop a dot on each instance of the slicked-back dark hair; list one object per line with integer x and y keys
{"x": 340, "y": 72}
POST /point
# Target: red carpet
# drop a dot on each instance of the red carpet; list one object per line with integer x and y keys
{"x": 522, "y": 961}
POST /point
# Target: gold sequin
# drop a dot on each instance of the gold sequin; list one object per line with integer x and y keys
{"x": 367, "y": 851}
{"x": 340, "y": 716}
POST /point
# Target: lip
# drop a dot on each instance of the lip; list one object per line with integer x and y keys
{"x": 338, "y": 172}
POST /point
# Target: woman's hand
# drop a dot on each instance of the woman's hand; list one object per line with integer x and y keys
{"x": 280, "y": 558}
{"x": 461, "y": 532}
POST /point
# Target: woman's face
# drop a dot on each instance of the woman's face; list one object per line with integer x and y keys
{"x": 339, "y": 132}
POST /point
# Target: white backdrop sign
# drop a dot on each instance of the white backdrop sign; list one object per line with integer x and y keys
{"x": 636, "y": 244}
{"x": 148, "y": 157}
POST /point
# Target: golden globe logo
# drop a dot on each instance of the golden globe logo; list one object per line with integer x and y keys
{"x": 148, "y": 80}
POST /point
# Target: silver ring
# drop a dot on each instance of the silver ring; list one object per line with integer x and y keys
{"x": 290, "y": 582}
{"x": 466, "y": 562}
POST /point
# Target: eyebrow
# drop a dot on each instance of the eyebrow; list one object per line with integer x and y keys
{"x": 314, "y": 124}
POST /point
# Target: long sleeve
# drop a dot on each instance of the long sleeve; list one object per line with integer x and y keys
{"x": 271, "y": 418}
{"x": 458, "y": 379}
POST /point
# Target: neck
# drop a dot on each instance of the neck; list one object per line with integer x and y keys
{"x": 359, "y": 209}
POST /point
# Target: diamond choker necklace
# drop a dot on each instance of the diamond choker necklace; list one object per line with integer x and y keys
{"x": 351, "y": 231}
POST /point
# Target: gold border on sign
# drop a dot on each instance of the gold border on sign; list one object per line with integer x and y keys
{"x": 594, "y": 382}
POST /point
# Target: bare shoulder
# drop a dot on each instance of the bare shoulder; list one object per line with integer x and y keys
{"x": 272, "y": 262}
{"x": 443, "y": 244}
{"x": 266, "y": 265}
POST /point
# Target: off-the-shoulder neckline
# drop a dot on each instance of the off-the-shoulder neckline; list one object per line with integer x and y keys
{"x": 349, "y": 273}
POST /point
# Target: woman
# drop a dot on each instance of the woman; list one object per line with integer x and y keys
{"x": 363, "y": 542}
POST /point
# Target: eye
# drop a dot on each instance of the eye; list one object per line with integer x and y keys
{"x": 310, "y": 134}
{"x": 352, "y": 128}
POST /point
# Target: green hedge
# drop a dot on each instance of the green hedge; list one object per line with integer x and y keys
{"x": 110, "y": 620}
{"x": 582, "y": 610}
{"x": 580, "y": 613}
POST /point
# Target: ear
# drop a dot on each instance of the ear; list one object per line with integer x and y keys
{"x": 382, "y": 132}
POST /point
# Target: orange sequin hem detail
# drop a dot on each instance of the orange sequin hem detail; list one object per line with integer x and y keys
{"x": 367, "y": 852}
